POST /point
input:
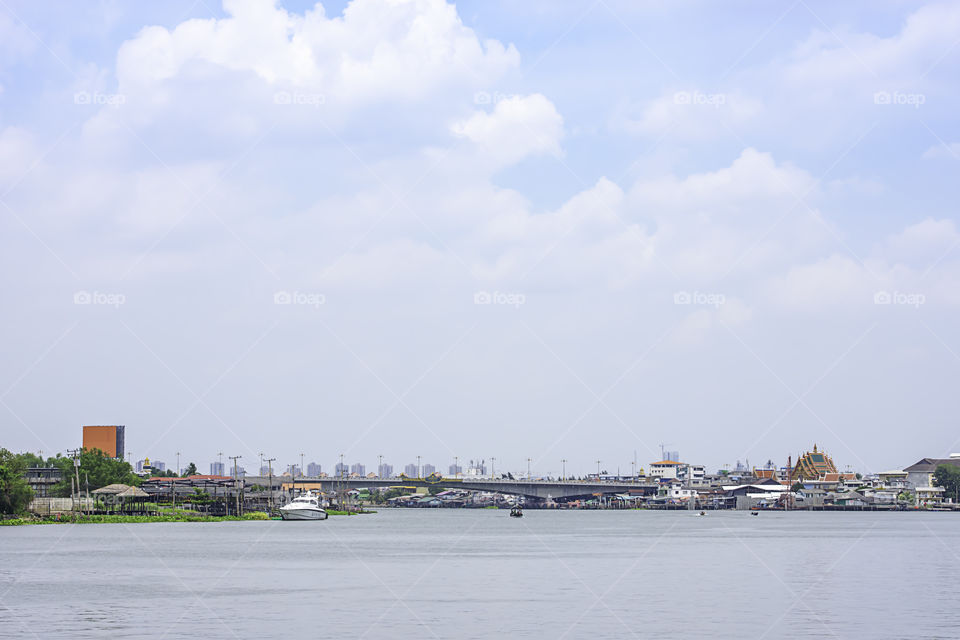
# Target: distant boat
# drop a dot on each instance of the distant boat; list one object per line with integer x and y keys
{"x": 516, "y": 512}
{"x": 754, "y": 513}
{"x": 303, "y": 507}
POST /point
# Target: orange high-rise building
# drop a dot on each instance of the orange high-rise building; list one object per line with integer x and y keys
{"x": 108, "y": 439}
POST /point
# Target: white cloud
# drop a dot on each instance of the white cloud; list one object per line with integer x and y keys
{"x": 689, "y": 115}
{"x": 517, "y": 127}
{"x": 379, "y": 49}
{"x": 944, "y": 150}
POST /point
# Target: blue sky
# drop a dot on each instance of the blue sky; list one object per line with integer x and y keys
{"x": 731, "y": 229}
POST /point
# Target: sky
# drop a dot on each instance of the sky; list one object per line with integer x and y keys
{"x": 539, "y": 230}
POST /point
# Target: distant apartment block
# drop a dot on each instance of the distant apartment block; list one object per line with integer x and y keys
{"x": 411, "y": 470}
{"x": 341, "y": 469}
{"x": 428, "y": 469}
{"x": 314, "y": 470}
{"x": 455, "y": 470}
{"x": 294, "y": 470}
{"x": 109, "y": 439}
{"x": 359, "y": 469}
{"x": 385, "y": 470}
{"x": 216, "y": 469}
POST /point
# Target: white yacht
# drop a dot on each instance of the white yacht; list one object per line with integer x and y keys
{"x": 304, "y": 507}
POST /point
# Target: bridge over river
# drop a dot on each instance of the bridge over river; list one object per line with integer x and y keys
{"x": 537, "y": 489}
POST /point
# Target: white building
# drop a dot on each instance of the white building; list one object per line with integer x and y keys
{"x": 687, "y": 473}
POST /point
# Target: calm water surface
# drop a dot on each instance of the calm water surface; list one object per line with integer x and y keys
{"x": 480, "y": 574}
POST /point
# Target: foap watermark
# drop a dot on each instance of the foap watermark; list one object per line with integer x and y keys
{"x": 299, "y": 98}
{"x": 699, "y": 298}
{"x": 715, "y": 100}
{"x": 99, "y": 99}
{"x": 99, "y": 297}
{"x": 897, "y": 98}
{"x": 299, "y": 297}
{"x": 485, "y": 97}
{"x": 499, "y": 297}
{"x": 899, "y": 297}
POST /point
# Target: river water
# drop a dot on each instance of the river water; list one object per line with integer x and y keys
{"x": 480, "y": 574}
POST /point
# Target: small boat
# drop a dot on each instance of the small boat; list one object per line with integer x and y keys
{"x": 516, "y": 512}
{"x": 702, "y": 513}
{"x": 303, "y": 507}
{"x": 754, "y": 513}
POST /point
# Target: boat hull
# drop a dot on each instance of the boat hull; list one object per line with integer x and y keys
{"x": 303, "y": 514}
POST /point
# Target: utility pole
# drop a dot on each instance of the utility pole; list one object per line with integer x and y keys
{"x": 236, "y": 481}
{"x": 418, "y": 468}
{"x": 598, "y": 471}
{"x": 301, "y": 464}
{"x": 178, "y": 464}
{"x": 75, "y": 454}
{"x": 493, "y": 472}
{"x": 380, "y": 466}
{"x": 456, "y": 467}
{"x": 563, "y": 464}
{"x": 270, "y": 469}
{"x": 260, "y": 468}
{"x": 528, "y": 470}
{"x": 220, "y": 458}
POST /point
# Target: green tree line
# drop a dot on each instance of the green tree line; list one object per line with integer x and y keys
{"x": 96, "y": 470}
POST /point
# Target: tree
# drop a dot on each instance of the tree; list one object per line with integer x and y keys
{"x": 15, "y": 493}
{"x": 191, "y": 470}
{"x": 948, "y": 477}
{"x": 97, "y": 469}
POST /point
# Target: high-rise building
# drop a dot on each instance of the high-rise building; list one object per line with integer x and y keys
{"x": 673, "y": 456}
{"x": 455, "y": 470}
{"x": 294, "y": 470}
{"x": 265, "y": 470}
{"x": 341, "y": 469}
{"x": 139, "y": 465}
{"x": 385, "y": 470}
{"x": 216, "y": 468}
{"x": 159, "y": 466}
{"x": 411, "y": 471}
{"x": 313, "y": 470}
{"x": 359, "y": 469}
{"x": 428, "y": 469}
{"x": 241, "y": 472}
{"x": 109, "y": 439}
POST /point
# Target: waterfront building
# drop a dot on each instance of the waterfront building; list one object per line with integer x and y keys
{"x": 216, "y": 469}
{"x": 428, "y": 469}
{"x": 358, "y": 469}
{"x": 920, "y": 477}
{"x": 42, "y": 480}
{"x": 109, "y": 439}
{"x": 313, "y": 470}
{"x": 385, "y": 470}
{"x": 411, "y": 471}
{"x": 812, "y": 465}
